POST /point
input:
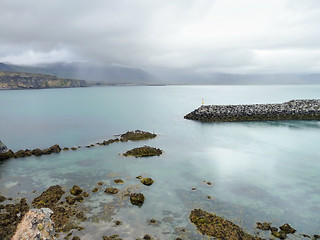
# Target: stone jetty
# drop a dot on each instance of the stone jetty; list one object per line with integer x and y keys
{"x": 306, "y": 109}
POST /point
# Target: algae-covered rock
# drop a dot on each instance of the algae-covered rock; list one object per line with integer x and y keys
{"x": 70, "y": 200}
{"x": 112, "y": 237}
{"x": 278, "y": 234}
{"x": 53, "y": 149}
{"x": 146, "y": 237}
{"x": 23, "y": 153}
{"x": 37, "y": 152}
{"x": 212, "y": 225}
{"x": 144, "y": 151}
{"x": 147, "y": 181}
{"x": 137, "y": 135}
{"x": 79, "y": 198}
{"x": 85, "y": 194}
{"x": 6, "y": 155}
{"x": 75, "y": 190}
{"x": 118, "y": 181}
{"x": 95, "y": 190}
{"x": 287, "y": 228}
{"x": 49, "y": 197}
{"x": 111, "y": 190}
{"x": 10, "y": 217}
{"x": 263, "y": 226}
{"x": 137, "y": 199}
{"x": 2, "y": 198}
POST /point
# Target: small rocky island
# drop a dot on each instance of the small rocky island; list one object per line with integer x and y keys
{"x": 14, "y": 80}
{"x": 293, "y": 110}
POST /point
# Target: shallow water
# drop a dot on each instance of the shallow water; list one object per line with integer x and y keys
{"x": 260, "y": 171}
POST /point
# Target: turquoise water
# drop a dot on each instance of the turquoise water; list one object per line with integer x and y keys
{"x": 260, "y": 171}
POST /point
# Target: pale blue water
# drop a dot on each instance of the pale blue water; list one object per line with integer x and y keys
{"x": 260, "y": 171}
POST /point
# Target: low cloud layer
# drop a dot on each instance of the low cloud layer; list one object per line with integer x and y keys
{"x": 248, "y": 36}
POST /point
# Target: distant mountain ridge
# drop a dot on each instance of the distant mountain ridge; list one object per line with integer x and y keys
{"x": 95, "y": 74}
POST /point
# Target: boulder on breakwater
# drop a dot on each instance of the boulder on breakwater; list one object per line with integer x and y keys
{"x": 306, "y": 109}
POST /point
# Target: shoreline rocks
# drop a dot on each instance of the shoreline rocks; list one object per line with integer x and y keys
{"x": 306, "y": 109}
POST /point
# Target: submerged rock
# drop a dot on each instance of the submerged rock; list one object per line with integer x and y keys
{"x": 75, "y": 190}
{"x": 147, "y": 181}
{"x": 36, "y": 224}
{"x": 95, "y": 190}
{"x": 112, "y": 237}
{"x": 212, "y": 225}
{"x": 111, "y": 190}
{"x": 118, "y": 181}
{"x": 137, "y": 199}
{"x": 144, "y": 151}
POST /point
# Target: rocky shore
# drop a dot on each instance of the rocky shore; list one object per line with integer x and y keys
{"x": 292, "y": 110}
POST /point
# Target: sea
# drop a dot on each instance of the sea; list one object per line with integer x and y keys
{"x": 257, "y": 171}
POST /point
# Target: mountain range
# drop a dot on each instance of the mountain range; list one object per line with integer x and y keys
{"x": 120, "y": 75}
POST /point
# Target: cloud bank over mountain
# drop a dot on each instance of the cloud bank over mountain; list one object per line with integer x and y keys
{"x": 230, "y": 36}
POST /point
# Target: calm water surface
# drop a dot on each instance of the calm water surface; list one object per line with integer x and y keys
{"x": 260, "y": 171}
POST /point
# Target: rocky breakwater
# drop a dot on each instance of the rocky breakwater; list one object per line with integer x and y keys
{"x": 293, "y": 110}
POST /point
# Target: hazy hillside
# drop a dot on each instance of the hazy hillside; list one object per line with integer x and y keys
{"x": 14, "y": 80}
{"x": 90, "y": 72}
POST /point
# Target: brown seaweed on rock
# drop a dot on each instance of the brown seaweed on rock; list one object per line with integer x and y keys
{"x": 137, "y": 135}
{"x": 144, "y": 151}
{"x": 212, "y": 225}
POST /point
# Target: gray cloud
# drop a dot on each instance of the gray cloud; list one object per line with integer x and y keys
{"x": 204, "y": 35}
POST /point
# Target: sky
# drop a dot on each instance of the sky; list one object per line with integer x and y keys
{"x": 230, "y": 36}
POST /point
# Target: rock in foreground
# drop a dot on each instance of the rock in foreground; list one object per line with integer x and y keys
{"x": 212, "y": 225}
{"x": 292, "y": 110}
{"x": 36, "y": 224}
{"x": 144, "y": 151}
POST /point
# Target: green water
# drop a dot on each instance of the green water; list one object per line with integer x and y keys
{"x": 260, "y": 171}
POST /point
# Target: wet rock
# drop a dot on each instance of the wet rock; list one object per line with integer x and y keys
{"x": 49, "y": 197}
{"x": 85, "y": 194}
{"x": 193, "y": 189}
{"x": 70, "y": 200}
{"x": 137, "y": 135}
{"x": 6, "y": 155}
{"x": 3, "y": 148}
{"x": 76, "y": 238}
{"x": 36, "y": 224}
{"x": 95, "y": 190}
{"x": 75, "y": 190}
{"x": 144, "y": 151}
{"x": 137, "y": 199}
{"x": 281, "y": 234}
{"x": 112, "y": 237}
{"x": 153, "y": 222}
{"x": 146, "y": 237}
{"x": 147, "y": 181}
{"x": 53, "y": 149}
{"x": 139, "y": 177}
{"x": 111, "y": 190}
{"x": 304, "y": 235}
{"x": 74, "y": 148}
{"x": 79, "y": 198}
{"x": 23, "y": 153}
{"x": 81, "y": 216}
{"x": 117, "y": 223}
{"x": 212, "y": 225}
{"x": 65, "y": 149}
{"x": 37, "y": 152}
{"x": 118, "y": 181}
{"x": 101, "y": 183}
{"x": 316, "y": 236}
{"x": 2, "y": 198}
{"x": 287, "y": 228}
{"x": 263, "y": 226}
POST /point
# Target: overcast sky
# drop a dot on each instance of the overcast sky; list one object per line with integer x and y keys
{"x": 233, "y": 36}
